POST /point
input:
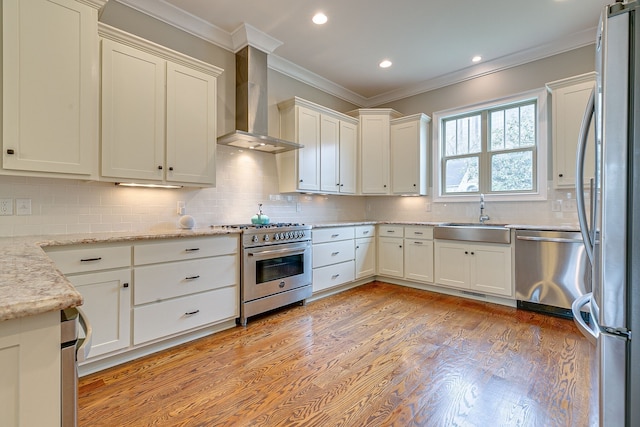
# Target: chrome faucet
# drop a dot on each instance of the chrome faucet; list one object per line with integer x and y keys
{"x": 483, "y": 217}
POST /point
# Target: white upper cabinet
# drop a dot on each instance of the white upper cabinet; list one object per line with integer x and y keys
{"x": 569, "y": 99}
{"x": 327, "y": 162}
{"x": 158, "y": 113}
{"x": 50, "y": 88}
{"x": 374, "y": 150}
{"x": 409, "y": 155}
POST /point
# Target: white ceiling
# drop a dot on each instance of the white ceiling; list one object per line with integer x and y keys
{"x": 430, "y": 42}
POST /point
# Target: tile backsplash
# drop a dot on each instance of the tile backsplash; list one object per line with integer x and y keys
{"x": 244, "y": 179}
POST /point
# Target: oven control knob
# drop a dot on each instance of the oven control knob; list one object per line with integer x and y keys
{"x": 266, "y": 238}
{"x": 276, "y": 236}
{"x": 255, "y": 239}
{"x": 287, "y": 235}
{"x": 281, "y": 236}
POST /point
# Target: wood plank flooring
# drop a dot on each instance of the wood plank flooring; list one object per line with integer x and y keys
{"x": 377, "y": 355}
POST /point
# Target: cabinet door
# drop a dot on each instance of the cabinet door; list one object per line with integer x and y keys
{"x": 133, "y": 113}
{"x": 308, "y": 134}
{"x": 451, "y": 265}
{"x": 329, "y": 154}
{"x": 418, "y": 260}
{"x": 107, "y": 304}
{"x": 408, "y": 158}
{"x": 365, "y": 257}
{"x": 374, "y": 149}
{"x": 30, "y": 375}
{"x": 390, "y": 256}
{"x": 348, "y": 157}
{"x": 50, "y": 85}
{"x": 490, "y": 269}
{"x": 191, "y": 126}
{"x": 568, "y": 106}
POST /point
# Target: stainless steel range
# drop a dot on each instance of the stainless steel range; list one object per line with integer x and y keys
{"x": 276, "y": 267}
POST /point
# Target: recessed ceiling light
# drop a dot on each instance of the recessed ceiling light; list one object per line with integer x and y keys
{"x": 320, "y": 18}
{"x": 385, "y": 64}
{"x": 476, "y": 58}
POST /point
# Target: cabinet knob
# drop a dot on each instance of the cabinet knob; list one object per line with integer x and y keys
{"x": 11, "y": 151}
{"x": 560, "y": 175}
{"x": 125, "y": 285}
{"x": 414, "y": 185}
{"x": 385, "y": 186}
{"x": 466, "y": 252}
{"x": 170, "y": 168}
{"x": 301, "y": 180}
{"x": 400, "y": 246}
{"x": 160, "y": 168}
{"x": 357, "y": 247}
{"x": 472, "y": 253}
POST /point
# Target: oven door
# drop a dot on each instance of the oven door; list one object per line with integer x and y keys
{"x": 273, "y": 269}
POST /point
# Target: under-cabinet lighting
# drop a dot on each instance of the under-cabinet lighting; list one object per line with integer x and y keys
{"x": 135, "y": 184}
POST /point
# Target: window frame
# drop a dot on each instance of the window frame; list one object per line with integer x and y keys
{"x": 541, "y": 148}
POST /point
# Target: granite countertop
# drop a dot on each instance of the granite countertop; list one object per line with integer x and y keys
{"x": 31, "y": 284}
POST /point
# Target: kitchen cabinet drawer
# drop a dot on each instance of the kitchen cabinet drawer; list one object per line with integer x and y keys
{"x": 323, "y": 235}
{"x": 163, "y": 281}
{"x": 333, "y": 253}
{"x": 80, "y": 259}
{"x": 365, "y": 231}
{"x": 176, "y": 315}
{"x": 390, "y": 231}
{"x": 418, "y": 232}
{"x": 333, "y": 275}
{"x": 182, "y": 249}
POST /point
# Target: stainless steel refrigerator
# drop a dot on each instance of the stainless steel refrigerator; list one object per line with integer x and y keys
{"x": 611, "y": 223}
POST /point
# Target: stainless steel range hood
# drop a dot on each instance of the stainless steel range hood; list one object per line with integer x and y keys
{"x": 251, "y": 106}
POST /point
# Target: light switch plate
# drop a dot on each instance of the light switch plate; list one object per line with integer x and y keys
{"x": 6, "y": 206}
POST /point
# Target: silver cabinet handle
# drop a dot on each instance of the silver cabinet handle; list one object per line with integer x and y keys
{"x": 82, "y": 352}
{"x": 549, "y": 239}
{"x": 418, "y": 243}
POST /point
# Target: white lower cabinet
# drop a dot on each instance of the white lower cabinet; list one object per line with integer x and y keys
{"x": 107, "y": 304}
{"x": 157, "y": 320}
{"x": 477, "y": 267}
{"x": 333, "y": 257}
{"x": 102, "y": 274}
{"x": 391, "y": 250}
{"x": 418, "y": 253}
{"x": 152, "y": 291}
{"x": 365, "y": 251}
{"x": 182, "y": 284}
{"x": 30, "y": 374}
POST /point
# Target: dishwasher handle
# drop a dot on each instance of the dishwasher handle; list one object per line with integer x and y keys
{"x": 84, "y": 346}
{"x": 549, "y": 239}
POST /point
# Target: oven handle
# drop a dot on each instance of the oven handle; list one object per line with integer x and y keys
{"x": 289, "y": 251}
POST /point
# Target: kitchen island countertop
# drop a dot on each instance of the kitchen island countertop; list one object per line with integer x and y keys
{"x": 31, "y": 284}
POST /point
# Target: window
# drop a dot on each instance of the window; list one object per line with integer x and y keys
{"x": 497, "y": 148}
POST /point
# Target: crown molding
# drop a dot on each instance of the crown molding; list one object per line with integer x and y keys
{"x": 169, "y": 14}
{"x": 246, "y": 34}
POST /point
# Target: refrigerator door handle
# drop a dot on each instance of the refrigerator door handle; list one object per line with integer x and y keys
{"x": 582, "y": 148}
{"x": 591, "y": 333}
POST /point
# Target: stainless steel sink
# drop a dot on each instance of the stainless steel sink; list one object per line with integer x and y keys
{"x": 473, "y": 232}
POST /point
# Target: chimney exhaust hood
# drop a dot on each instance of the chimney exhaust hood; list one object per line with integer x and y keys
{"x": 251, "y": 106}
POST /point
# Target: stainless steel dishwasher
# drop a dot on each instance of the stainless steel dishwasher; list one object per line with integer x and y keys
{"x": 551, "y": 270}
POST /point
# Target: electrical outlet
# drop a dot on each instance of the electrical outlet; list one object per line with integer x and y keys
{"x": 23, "y": 206}
{"x": 427, "y": 207}
{"x": 6, "y": 206}
{"x": 298, "y": 207}
{"x": 556, "y": 205}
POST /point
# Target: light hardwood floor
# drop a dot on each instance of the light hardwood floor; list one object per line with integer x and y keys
{"x": 377, "y": 355}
